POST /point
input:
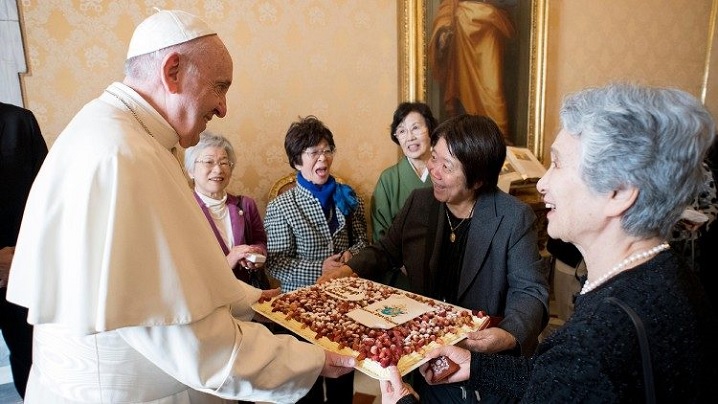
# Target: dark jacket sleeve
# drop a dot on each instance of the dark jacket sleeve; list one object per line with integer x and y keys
{"x": 22, "y": 151}
{"x": 389, "y": 252}
{"x": 408, "y": 399}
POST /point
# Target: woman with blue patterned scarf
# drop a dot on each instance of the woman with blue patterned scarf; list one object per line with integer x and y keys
{"x": 314, "y": 227}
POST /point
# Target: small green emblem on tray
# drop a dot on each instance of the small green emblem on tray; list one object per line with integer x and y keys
{"x": 393, "y": 311}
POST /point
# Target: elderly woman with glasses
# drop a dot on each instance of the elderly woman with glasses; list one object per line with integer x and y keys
{"x": 315, "y": 226}
{"x": 234, "y": 219}
{"x": 466, "y": 242}
{"x": 411, "y": 129}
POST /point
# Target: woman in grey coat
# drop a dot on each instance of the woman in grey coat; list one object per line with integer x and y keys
{"x": 468, "y": 243}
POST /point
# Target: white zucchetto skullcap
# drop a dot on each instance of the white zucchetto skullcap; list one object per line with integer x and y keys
{"x": 166, "y": 28}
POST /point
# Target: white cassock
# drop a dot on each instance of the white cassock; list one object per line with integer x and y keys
{"x": 131, "y": 296}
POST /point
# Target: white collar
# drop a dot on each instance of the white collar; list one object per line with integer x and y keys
{"x": 125, "y": 97}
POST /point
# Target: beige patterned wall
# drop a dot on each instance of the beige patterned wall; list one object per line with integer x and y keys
{"x": 336, "y": 59}
{"x": 656, "y": 42}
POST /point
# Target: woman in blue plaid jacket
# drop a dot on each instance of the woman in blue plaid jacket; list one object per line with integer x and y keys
{"x": 317, "y": 225}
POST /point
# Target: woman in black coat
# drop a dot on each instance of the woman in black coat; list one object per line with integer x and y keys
{"x": 623, "y": 167}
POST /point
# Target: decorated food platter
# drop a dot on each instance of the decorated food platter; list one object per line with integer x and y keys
{"x": 377, "y": 324}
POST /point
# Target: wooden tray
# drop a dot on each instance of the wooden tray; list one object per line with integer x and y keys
{"x": 408, "y": 361}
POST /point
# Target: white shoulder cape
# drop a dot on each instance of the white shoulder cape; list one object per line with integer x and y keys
{"x": 112, "y": 236}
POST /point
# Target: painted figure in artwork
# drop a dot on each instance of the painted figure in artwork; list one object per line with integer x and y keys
{"x": 466, "y": 57}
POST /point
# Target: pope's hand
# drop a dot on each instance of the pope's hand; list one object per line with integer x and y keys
{"x": 268, "y": 294}
{"x": 336, "y": 365}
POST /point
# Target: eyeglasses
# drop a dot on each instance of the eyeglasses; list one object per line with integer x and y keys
{"x": 209, "y": 163}
{"x": 416, "y": 130}
{"x": 314, "y": 154}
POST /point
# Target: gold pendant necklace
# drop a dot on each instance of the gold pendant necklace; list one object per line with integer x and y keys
{"x": 452, "y": 235}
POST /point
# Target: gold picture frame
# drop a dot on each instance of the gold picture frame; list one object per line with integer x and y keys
{"x": 413, "y": 29}
{"x": 709, "y": 88}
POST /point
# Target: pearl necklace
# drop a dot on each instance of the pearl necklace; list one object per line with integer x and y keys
{"x": 589, "y": 286}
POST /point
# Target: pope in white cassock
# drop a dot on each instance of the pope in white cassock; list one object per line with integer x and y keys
{"x": 131, "y": 296}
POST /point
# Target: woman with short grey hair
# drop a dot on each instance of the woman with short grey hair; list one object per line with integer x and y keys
{"x": 208, "y": 139}
{"x": 625, "y": 164}
{"x": 650, "y": 138}
{"x": 234, "y": 219}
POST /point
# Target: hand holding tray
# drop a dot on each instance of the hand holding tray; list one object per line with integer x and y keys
{"x": 410, "y": 325}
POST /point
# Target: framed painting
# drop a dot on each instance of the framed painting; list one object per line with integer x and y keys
{"x": 481, "y": 57}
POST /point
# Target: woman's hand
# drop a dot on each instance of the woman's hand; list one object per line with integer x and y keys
{"x": 460, "y": 356}
{"x": 394, "y": 389}
{"x": 345, "y": 257}
{"x": 489, "y": 340}
{"x": 332, "y": 263}
{"x": 239, "y": 253}
{"x": 335, "y": 261}
{"x": 343, "y": 271}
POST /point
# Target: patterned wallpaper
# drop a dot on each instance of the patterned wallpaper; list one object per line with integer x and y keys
{"x": 336, "y": 59}
{"x": 655, "y": 42}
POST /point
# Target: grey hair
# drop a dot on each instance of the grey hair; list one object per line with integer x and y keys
{"x": 144, "y": 68}
{"x": 208, "y": 139}
{"x": 654, "y": 139}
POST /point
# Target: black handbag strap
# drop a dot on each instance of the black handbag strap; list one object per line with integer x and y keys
{"x": 643, "y": 344}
